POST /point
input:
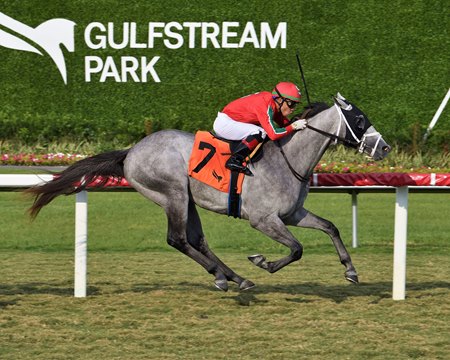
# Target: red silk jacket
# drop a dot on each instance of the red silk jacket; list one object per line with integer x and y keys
{"x": 260, "y": 109}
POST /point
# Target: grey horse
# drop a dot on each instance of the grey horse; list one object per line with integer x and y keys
{"x": 272, "y": 199}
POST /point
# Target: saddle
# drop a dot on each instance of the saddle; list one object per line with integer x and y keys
{"x": 255, "y": 156}
{"x": 207, "y": 164}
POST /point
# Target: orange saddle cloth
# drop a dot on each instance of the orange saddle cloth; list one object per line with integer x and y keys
{"x": 207, "y": 162}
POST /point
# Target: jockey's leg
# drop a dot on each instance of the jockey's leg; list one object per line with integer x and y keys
{"x": 243, "y": 150}
{"x": 250, "y": 136}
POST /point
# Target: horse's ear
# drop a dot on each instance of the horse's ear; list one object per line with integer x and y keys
{"x": 342, "y": 102}
{"x": 339, "y": 96}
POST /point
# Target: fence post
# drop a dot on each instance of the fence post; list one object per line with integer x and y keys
{"x": 400, "y": 236}
{"x": 80, "y": 244}
{"x": 354, "y": 218}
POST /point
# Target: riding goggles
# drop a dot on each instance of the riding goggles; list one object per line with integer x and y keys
{"x": 290, "y": 103}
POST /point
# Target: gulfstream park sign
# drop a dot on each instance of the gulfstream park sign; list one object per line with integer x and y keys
{"x": 51, "y": 35}
{"x": 172, "y": 35}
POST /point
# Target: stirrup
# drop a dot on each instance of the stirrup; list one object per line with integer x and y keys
{"x": 238, "y": 167}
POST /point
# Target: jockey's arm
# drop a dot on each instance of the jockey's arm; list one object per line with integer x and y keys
{"x": 274, "y": 131}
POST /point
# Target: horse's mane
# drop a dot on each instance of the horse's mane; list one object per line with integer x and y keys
{"x": 312, "y": 110}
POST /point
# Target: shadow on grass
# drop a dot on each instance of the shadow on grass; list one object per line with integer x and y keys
{"x": 298, "y": 293}
{"x": 5, "y": 304}
{"x": 336, "y": 293}
{"x": 340, "y": 293}
{"x": 59, "y": 289}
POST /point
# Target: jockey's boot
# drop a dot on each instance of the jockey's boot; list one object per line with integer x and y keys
{"x": 243, "y": 150}
{"x": 235, "y": 163}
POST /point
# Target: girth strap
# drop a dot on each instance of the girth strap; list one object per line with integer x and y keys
{"x": 234, "y": 199}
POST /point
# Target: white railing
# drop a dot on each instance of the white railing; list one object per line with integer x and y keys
{"x": 14, "y": 182}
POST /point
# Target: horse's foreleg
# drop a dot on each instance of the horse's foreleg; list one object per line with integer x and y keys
{"x": 177, "y": 217}
{"x": 274, "y": 227}
{"x": 197, "y": 239}
{"x": 304, "y": 218}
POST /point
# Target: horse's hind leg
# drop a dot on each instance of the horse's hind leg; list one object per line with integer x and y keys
{"x": 274, "y": 227}
{"x": 197, "y": 239}
{"x": 174, "y": 199}
{"x": 177, "y": 216}
{"x": 304, "y": 218}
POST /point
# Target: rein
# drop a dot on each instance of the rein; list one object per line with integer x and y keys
{"x": 345, "y": 141}
{"x": 336, "y": 138}
{"x": 299, "y": 177}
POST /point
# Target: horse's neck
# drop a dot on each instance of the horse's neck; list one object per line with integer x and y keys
{"x": 306, "y": 148}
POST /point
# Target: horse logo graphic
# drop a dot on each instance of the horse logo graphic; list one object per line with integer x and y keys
{"x": 49, "y": 36}
{"x": 217, "y": 176}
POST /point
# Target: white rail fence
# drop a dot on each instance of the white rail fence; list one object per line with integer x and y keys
{"x": 15, "y": 182}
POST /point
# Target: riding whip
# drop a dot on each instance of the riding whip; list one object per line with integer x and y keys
{"x": 303, "y": 78}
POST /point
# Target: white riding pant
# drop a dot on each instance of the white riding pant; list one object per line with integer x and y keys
{"x": 230, "y": 129}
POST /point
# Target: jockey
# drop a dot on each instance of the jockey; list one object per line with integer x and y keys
{"x": 252, "y": 118}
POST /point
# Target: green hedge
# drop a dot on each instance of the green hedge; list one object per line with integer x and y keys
{"x": 390, "y": 58}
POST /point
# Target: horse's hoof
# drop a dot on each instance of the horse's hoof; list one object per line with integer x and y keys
{"x": 352, "y": 276}
{"x": 259, "y": 260}
{"x": 221, "y": 284}
{"x": 246, "y": 285}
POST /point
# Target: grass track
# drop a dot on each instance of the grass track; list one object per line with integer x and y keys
{"x": 128, "y": 222}
{"x": 147, "y": 301}
{"x": 158, "y": 305}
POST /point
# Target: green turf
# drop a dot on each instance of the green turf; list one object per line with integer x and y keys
{"x": 129, "y": 222}
{"x": 148, "y": 301}
{"x": 159, "y": 305}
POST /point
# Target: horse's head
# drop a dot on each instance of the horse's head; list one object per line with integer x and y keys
{"x": 360, "y": 131}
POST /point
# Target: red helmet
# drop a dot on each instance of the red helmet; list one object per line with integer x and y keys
{"x": 287, "y": 90}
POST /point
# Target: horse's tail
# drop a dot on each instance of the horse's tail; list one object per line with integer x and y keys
{"x": 77, "y": 176}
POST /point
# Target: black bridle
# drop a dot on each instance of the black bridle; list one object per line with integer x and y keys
{"x": 345, "y": 141}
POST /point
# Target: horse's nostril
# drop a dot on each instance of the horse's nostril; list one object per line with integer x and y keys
{"x": 386, "y": 148}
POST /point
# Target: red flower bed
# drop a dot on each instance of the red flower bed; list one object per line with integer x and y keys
{"x": 40, "y": 159}
{"x": 373, "y": 167}
{"x": 61, "y": 159}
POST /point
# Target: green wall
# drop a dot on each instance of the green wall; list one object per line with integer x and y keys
{"x": 391, "y": 58}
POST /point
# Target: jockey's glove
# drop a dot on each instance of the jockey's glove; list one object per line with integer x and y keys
{"x": 299, "y": 124}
